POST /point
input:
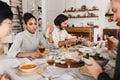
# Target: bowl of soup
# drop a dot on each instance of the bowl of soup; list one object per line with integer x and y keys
{"x": 28, "y": 67}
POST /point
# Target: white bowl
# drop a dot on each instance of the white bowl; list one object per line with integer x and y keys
{"x": 28, "y": 67}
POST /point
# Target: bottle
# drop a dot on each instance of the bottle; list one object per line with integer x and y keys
{"x": 98, "y": 38}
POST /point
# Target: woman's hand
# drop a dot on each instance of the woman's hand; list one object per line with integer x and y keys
{"x": 94, "y": 69}
{"x": 36, "y": 54}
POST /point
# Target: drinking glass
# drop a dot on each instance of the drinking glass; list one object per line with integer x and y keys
{"x": 51, "y": 61}
{"x": 68, "y": 62}
{"x": 68, "y": 45}
{"x": 42, "y": 49}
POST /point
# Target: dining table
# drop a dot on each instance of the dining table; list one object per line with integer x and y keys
{"x": 11, "y": 66}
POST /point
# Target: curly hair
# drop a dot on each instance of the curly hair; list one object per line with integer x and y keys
{"x": 59, "y": 19}
{"x": 27, "y": 16}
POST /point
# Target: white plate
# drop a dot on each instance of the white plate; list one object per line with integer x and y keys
{"x": 85, "y": 50}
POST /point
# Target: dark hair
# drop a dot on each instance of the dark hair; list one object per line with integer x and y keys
{"x": 27, "y": 16}
{"x": 5, "y": 11}
{"x": 59, "y": 19}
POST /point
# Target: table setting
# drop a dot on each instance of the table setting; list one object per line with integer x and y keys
{"x": 58, "y": 64}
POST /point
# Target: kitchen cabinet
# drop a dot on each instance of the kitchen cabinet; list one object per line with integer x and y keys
{"x": 111, "y": 32}
{"x": 81, "y": 31}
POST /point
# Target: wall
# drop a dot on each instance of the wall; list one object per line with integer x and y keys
{"x": 32, "y": 7}
{"x": 7, "y": 1}
{"x": 55, "y": 7}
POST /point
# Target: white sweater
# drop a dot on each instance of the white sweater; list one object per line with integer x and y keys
{"x": 26, "y": 42}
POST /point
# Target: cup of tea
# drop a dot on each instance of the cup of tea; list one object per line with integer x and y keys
{"x": 41, "y": 49}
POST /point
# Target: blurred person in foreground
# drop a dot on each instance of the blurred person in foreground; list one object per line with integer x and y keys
{"x": 6, "y": 16}
{"x": 112, "y": 43}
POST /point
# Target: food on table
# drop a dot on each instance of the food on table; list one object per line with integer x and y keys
{"x": 28, "y": 67}
{"x": 100, "y": 59}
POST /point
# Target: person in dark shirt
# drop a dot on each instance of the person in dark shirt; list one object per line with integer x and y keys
{"x": 95, "y": 70}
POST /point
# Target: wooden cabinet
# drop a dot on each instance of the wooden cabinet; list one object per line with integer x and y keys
{"x": 81, "y": 31}
{"x": 111, "y": 32}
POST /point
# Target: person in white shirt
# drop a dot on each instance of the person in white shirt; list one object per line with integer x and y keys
{"x": 26, "y": 43}
{"x": 59, "y": 35}
{"x": 6, "y": 16}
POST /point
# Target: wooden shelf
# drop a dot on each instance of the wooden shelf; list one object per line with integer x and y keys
{"x": 85, "y": 17}
{"x": 85, "y": 14}
{"x": 81, "y": 10}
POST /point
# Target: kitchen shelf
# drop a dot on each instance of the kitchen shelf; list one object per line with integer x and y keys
{"x": 80, "y": 10}
{"x": 73, "y": 13}
{"x": 85, "y": 17}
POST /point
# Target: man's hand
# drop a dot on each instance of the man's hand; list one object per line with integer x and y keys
{"x": 112, "y": 43}
{"x": 94, "y": 69}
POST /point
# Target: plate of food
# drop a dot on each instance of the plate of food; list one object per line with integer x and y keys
{"x": 28, "y": 67}
{"x": 74, "y": 56}
{"x": 99, "y": 59}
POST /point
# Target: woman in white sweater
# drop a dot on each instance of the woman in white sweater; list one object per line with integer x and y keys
{"x": 26, "y": 43}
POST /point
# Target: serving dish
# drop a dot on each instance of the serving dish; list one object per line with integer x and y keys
{"x": 74, "y": 64}
{"x": 73, "y": 54}
{"x": 99, "y": 59}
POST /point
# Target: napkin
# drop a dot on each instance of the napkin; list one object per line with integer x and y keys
{"x": 66, "y": 77}
{"x": 1, "y": 69}
{"x": 39, "y": 61}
